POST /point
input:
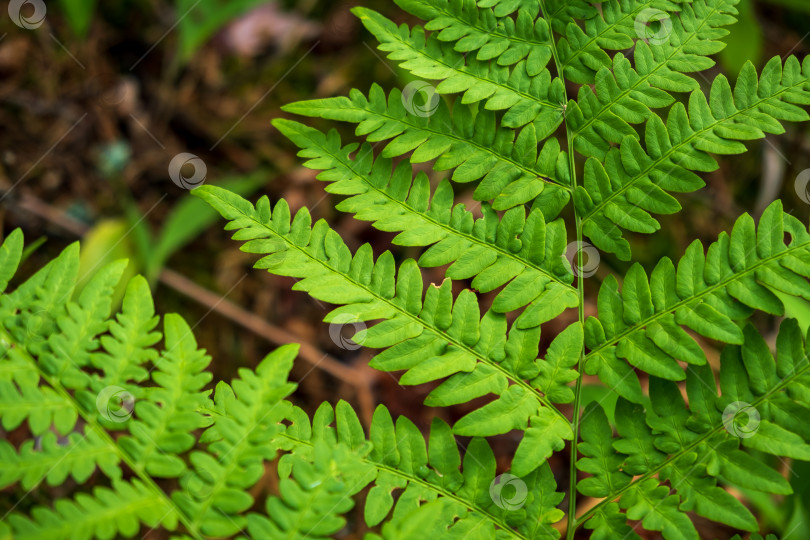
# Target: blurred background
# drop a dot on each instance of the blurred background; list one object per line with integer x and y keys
{"x": 97, "y": 99}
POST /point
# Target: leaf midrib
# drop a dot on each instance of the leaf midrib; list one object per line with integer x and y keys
{"x": 641, "y": 325}
{"x": 683, "y": 451}
{"x": 669, "y": 153}
{"x": 414, "y": 318}
{"x": 450, "y": 230}
{"x": 413, "y": 479}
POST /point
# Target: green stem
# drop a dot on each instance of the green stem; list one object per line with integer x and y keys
{"x": 572, "y": 507}
{"x": 572, "y": 485}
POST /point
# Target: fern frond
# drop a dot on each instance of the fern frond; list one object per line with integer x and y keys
{"x": 315, "y": 494}
{"x": 632, "y": 182}
{"x": 432, "y": 339}
{"x": 128, "y": 345}
{"x": 22, "y": 400}
{"x": 760, "y": 407}
{"x": 624, "y": 95}
{"x": 492, "y": 250}
{"x": 244, "y": 433}
{"x": 108, "y": 512}
{"x": 168, "y": 413}
{"x": 468, "y": 141}
{"x": 526, "y": 98}
{"x": 45, "y": 379}
{"x": 501, "y": 39}
{"x": 419, "y": 475}
{"x": 693, "y": 30}
{"x": 53, "y": 461}
{"x": 707, "y": 293}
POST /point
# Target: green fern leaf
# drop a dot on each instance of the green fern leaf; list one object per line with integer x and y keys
{"x": 632, "y": 183}
{"x": 107, "y": 512}
{"x": 528, "y": 249}
{"x": 493, "y": 36}
{"x": 431, "y": 339}
{"x": 469, "y": 142}
{"x": 54, "y": 461}
{"x": 525, "y": 98}
{"x": 694, "y": 448}
{"x": 707, "y": 294}
{"x": 418, "y": 474}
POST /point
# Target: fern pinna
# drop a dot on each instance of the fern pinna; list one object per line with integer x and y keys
{"x": 503, "y": 118}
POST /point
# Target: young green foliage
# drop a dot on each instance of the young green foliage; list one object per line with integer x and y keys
{"x": 503, "y": 124}
{"x": 497, "y": 115}
{"x": 165, "y": 452}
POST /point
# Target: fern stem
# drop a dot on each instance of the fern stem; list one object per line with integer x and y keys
{"x": 572, "y": 507}
{"x": 8, "y": 342}
{"x": 572, "y": 170}
{"x": 697, "y": 442}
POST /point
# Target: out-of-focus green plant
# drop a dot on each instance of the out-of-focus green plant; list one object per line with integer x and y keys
{"x": 746, "y": 41}
{"x": 198, "y": 21}
{"x": 148, "y": 251}
{"x": 790, "y": 517}
{"x": 79, "y": 14}
{"x": 131, "y": 237}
